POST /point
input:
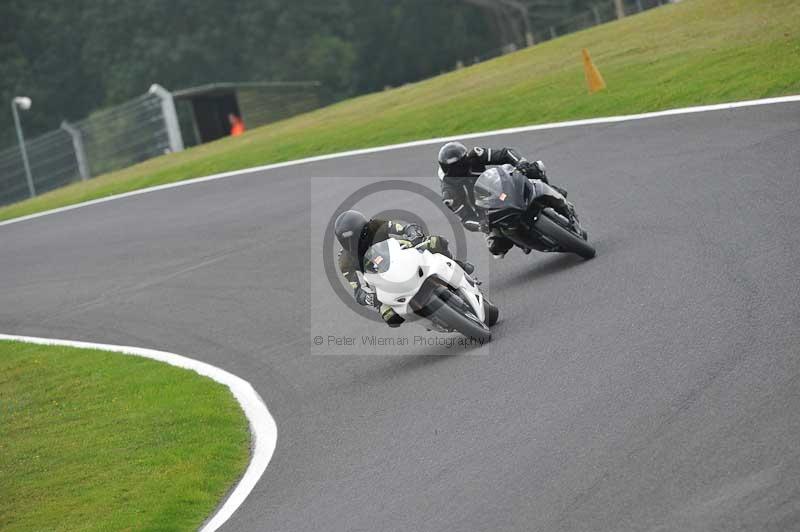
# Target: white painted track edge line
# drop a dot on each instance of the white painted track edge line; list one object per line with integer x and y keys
{"x": 415, "y": 143}
{"x": 262, "y": 425}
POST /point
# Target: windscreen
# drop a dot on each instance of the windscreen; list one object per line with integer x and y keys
{"x": 376, "y": 259}
{"x": 501, "y": 188}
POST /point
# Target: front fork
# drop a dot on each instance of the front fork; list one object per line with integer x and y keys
{"x": 550, "y": 196}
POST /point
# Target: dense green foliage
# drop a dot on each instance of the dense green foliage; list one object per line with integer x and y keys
{"x": 74, "y": 57}
{"x": 91, "y": 440}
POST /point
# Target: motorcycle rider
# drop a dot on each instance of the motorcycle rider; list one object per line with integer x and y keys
{"x": 459, "y": 168}
{"x": 357, "y": 234}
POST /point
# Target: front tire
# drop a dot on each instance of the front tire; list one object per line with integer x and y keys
{"x": 566, "y": 240}
{"x": 491, "y": 311}
{"x": 448, "y": 309}
{"x": 468, "y": 325}
{"x": 437, "y": 302}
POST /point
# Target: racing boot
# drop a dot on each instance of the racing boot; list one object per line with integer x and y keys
{"x": 390, "y": 317}
{"x": 498, "y": 245}
{"x": 560, "y": 190}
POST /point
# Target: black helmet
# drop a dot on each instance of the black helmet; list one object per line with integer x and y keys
{"x": 348, "y": 228}
{"x": 453, "y": 159}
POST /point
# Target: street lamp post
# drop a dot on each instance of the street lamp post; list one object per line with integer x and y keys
{"x": 24, "y": 103}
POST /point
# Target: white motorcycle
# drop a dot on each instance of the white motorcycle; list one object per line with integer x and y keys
{"x": 428, "y": 288}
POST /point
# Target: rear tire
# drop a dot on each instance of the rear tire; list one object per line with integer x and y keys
{"x": 567, "y": 240}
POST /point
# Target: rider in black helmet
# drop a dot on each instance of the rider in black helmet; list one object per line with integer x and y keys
{"x": 459, "y": 168}
{"x": 357, "y": 234}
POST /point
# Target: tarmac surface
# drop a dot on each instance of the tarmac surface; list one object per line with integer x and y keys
{"x": 653, "y": 388}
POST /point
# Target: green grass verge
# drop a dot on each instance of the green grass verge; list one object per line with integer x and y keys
{"x": 91, "y": 440}
{"x": 691, "y": 53}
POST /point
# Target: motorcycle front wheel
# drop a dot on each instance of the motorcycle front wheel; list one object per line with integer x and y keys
{"x": 449, "y": 310}
{"x": 465, "y": 322}
{"x": 566, "y": 240}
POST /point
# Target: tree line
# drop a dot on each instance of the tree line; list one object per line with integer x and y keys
{"x": 75, "y": 57}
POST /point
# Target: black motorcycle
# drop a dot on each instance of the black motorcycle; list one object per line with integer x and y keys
{"x": 517, "y": 208}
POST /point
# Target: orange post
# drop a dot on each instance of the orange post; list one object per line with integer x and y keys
{"x": 593, "y": 76}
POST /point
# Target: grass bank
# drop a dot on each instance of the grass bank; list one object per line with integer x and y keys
{"x": 691, "y": 53}
{"x": 91, "y": 440}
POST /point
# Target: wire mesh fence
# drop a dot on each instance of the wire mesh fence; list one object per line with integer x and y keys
{"x": 106, "y": 140}
{"x": 124, "y": 135}
{"x": 53, "y": 164}
{"x": 139, "y": 129}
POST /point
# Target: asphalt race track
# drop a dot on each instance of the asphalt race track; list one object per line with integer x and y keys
{"x": 654, "y": 388}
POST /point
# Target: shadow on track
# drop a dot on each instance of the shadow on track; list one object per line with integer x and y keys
{"x": 550, "y": 265}
{"x": 398, "y": 365}
{"x": 540, "y": 269}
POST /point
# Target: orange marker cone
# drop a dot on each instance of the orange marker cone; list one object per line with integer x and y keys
{"x": 593, "y": 77}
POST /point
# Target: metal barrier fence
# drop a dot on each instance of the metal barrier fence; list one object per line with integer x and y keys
{"x": 53, "y": 164}
{"x": 106, "y": 140}
{"x": 124, "y": 135}
{"x": 137, "y": 130}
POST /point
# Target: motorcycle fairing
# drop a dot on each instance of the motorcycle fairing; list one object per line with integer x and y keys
{"x": 503, "y": 187}
{"x": 401, "y": 272}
